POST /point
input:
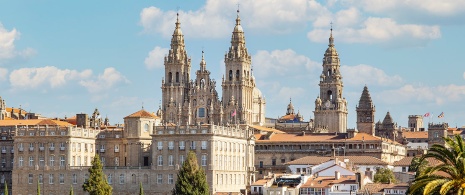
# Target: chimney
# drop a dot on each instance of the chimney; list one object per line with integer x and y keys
{"x": 337, "y": 175}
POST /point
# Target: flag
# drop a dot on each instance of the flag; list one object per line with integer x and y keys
{"x": 441, "y": 115}
{"x": 234, "y": 113}
{"x": 426, "y": 114}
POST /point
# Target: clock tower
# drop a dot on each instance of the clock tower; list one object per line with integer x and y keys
{"x": 330, "y": 106}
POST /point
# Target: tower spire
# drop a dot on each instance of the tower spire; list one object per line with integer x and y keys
{"x": 203, "y": 64}
{"x": 331, "y": 38}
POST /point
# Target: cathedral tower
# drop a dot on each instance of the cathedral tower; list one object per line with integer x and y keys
{"x": 366, "y": 113}
{"x": 243, "y": 102}
{"x": 330, "y": 106}
{"x": 175, "y": 85}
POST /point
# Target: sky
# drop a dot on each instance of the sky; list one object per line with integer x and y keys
{"x": 60, "y": 58}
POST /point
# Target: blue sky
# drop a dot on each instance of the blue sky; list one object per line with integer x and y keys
{"x": 60, "y": 58}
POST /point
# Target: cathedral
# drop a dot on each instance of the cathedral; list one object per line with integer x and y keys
{"x": 189, "y": 101}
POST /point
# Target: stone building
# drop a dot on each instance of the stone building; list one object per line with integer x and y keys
{"x": 366, "y": 113}
{"x": 330, "y": 106}
{"x": 388, "y": 128}
{"x": 187, "y": 102}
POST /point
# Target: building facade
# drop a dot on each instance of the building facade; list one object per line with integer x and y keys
{"x": 188, "y": 102}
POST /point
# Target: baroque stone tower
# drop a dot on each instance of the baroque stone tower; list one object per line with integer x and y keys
{"x": 243, "y": 102}
{"x": 366, "y": 113}
{"x": 415, "y": 123}
{"x": 175, "y": 85}
{"x": 330, "y": 106}
{"x": 2, "y": 109}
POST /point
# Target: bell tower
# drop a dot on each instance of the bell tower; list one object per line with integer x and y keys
{"x": 330, "y": 106}
{"x": 366, "y": 113}
{"x": 175, "y": 85}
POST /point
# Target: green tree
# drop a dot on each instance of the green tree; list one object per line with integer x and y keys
{"x": 191, "y": 178}
{"x": 384, "y": 175}
{"x": 447, "y": 177}
{"x": 417, "y": 165}
{"x": 71, "y": 191}
{"x": 6, "y": 188}
{"x": 97, "y": 183}
{"x": 38, "y": 188}
{"x": 141, "y": 190}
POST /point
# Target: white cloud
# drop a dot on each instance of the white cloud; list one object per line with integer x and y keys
{"x": 380, "y": 30}
{"x": 7, "y": 45}
{"x": 364, "y": 74}
{"x": 217, "y": 18}
{"x": 281, "y": 62}
{"x": 104, "y": 81}
{"x": 3, "y": 74}
{"x": 155, "y": 58}
{"x": 437, "y": 95}
{"x": 33, "y": 78}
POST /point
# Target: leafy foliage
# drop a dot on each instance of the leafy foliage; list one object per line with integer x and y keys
{"x": 141, "y": 190}
{"x": 191, "y": 178}
{"x": 417, "y": 165}
{"x": 6, "y": 188}
{"x": 447, "y": 177}
{"x": 71, "y": 192}
{"x": 384, "y": 175}
{"x": 38, "y": 187}
{"x": 97, "y": 183}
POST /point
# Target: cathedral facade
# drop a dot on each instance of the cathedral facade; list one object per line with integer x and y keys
{"x": 188, "y": 101}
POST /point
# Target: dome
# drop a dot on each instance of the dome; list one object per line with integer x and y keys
{"x": 238, "y": 28}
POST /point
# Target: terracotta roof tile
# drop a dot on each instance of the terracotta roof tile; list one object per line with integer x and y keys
{"x": 34, "y": 122}
{"x": 318, "y": 137}
{"x": 356, "y": 160}
{"x": 406, "y": 161}
{"x": 324, "y": 182}
{"x": 142, "y": 114}
{"x": 379, "y": 187}
{"x": 260, "y": 128}
{"x": 260, "y": 182}
{"x": 415, "y": 134}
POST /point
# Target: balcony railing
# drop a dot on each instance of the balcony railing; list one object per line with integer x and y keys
{"x": 3, "y": 151}
{"x": 102, "y": 150}
{"x": 181, "y": 147}
{"x": 31, "y": 148}
{"x": 52, "y": 148}
{"x": 62, "y": 148}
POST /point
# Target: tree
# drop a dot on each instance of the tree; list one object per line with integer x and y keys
{"x": 71, "y": 191}
{"x": 97, "y": 183}
{"x": 191, "y": 178}
{"x": 417, "y": 165}
{"x": 141, "y": 190}
{"x": 447, "y": 177}
{"x": 38, "y": 187}
{"x": 6, "y": 188}
{"x": 384, "y": 175}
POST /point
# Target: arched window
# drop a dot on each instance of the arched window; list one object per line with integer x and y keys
{"x": 146, "y": 179}
{"x": 237, "y": 74}
{"x": 121, "y": 179}
{"x": 329, "y": 72}
{"x": 177, "y": 77}
{"x": 170, "y": 77}
{"x": 230, "y": 75}
{"x": 330, "y": 94}
{"x": 133, "y": 177}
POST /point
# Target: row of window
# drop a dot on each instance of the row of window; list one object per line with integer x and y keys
{"x": 74, "y": 178}
{"x": 62, "y": 161}
{"x": 203, "y": 161}
{"x": 225, "y": 162}
{"x": 230, "y": 179}
{"x": 182, "y": 145}
{"x": 41, "y": 146}
{"x": 42, "y": 133}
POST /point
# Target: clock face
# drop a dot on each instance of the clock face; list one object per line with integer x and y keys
{"x": 327, "y": 104}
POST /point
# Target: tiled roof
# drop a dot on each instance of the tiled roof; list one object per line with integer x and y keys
{"x": 356, "y": 160}
{"x": 406, "y": 161}
{"x": 288, "y": 117}
{"x": 415, "y": 134}
{"x": 260, "y": 128}
{"x": 317, "y": 137}
{"x": 34, "y": 122}
{"x": 379, "y": 187}
{"x": 16, "y": 110}
{"x": 142, "y": 114}
{"x": 260, "y": 182}
{"x": 324, "y": 182}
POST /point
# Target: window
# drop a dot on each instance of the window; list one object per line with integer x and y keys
{"x": 102, "y": 159}
{"x": 159, "y": 179}
{"x": 41, "y": 161}
{"x": 170, "y": 160}
{"x": 204, "y": 145}
{"x": 62, "y": 178}
{"x": 193, "y": 145}
{"x": 201, "y": 112}
{"x": 353, "y": 187}
{"x": 146, "y": 127}
{"x": 261, "y": 164}
{"x": 283, "y": 160}
{"x": 436, "y": 134}
{"x": 121, "y": 179}
{"x": 146, "y": 178}
{"x": 30, "y": 178}
{"x": 170, "y": 179}
{"x": 170, "y": 145}
{"x": 133, "y": 178}
{"x": 50, "y": 179}
{"x": 116, "y": 148}
{"x": 74, "y": 178}
{"x": 62, "y": 161}
{"x": 116, "y": 161}
{"x": 181, "y": 145}
{"x": 110, "y": 178}
{"x": 31, "y": 161}
{"x": 52, "y": 161}
{"x": 160, "y": 160}
{"x": 20, "y": 161}
{"x": 160, "y": 145}
{"x": 204, "y": 160}
{"x": 41, "y": 178}
{"x": 181, "y": 159}
{"x": 273, "y": 162}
